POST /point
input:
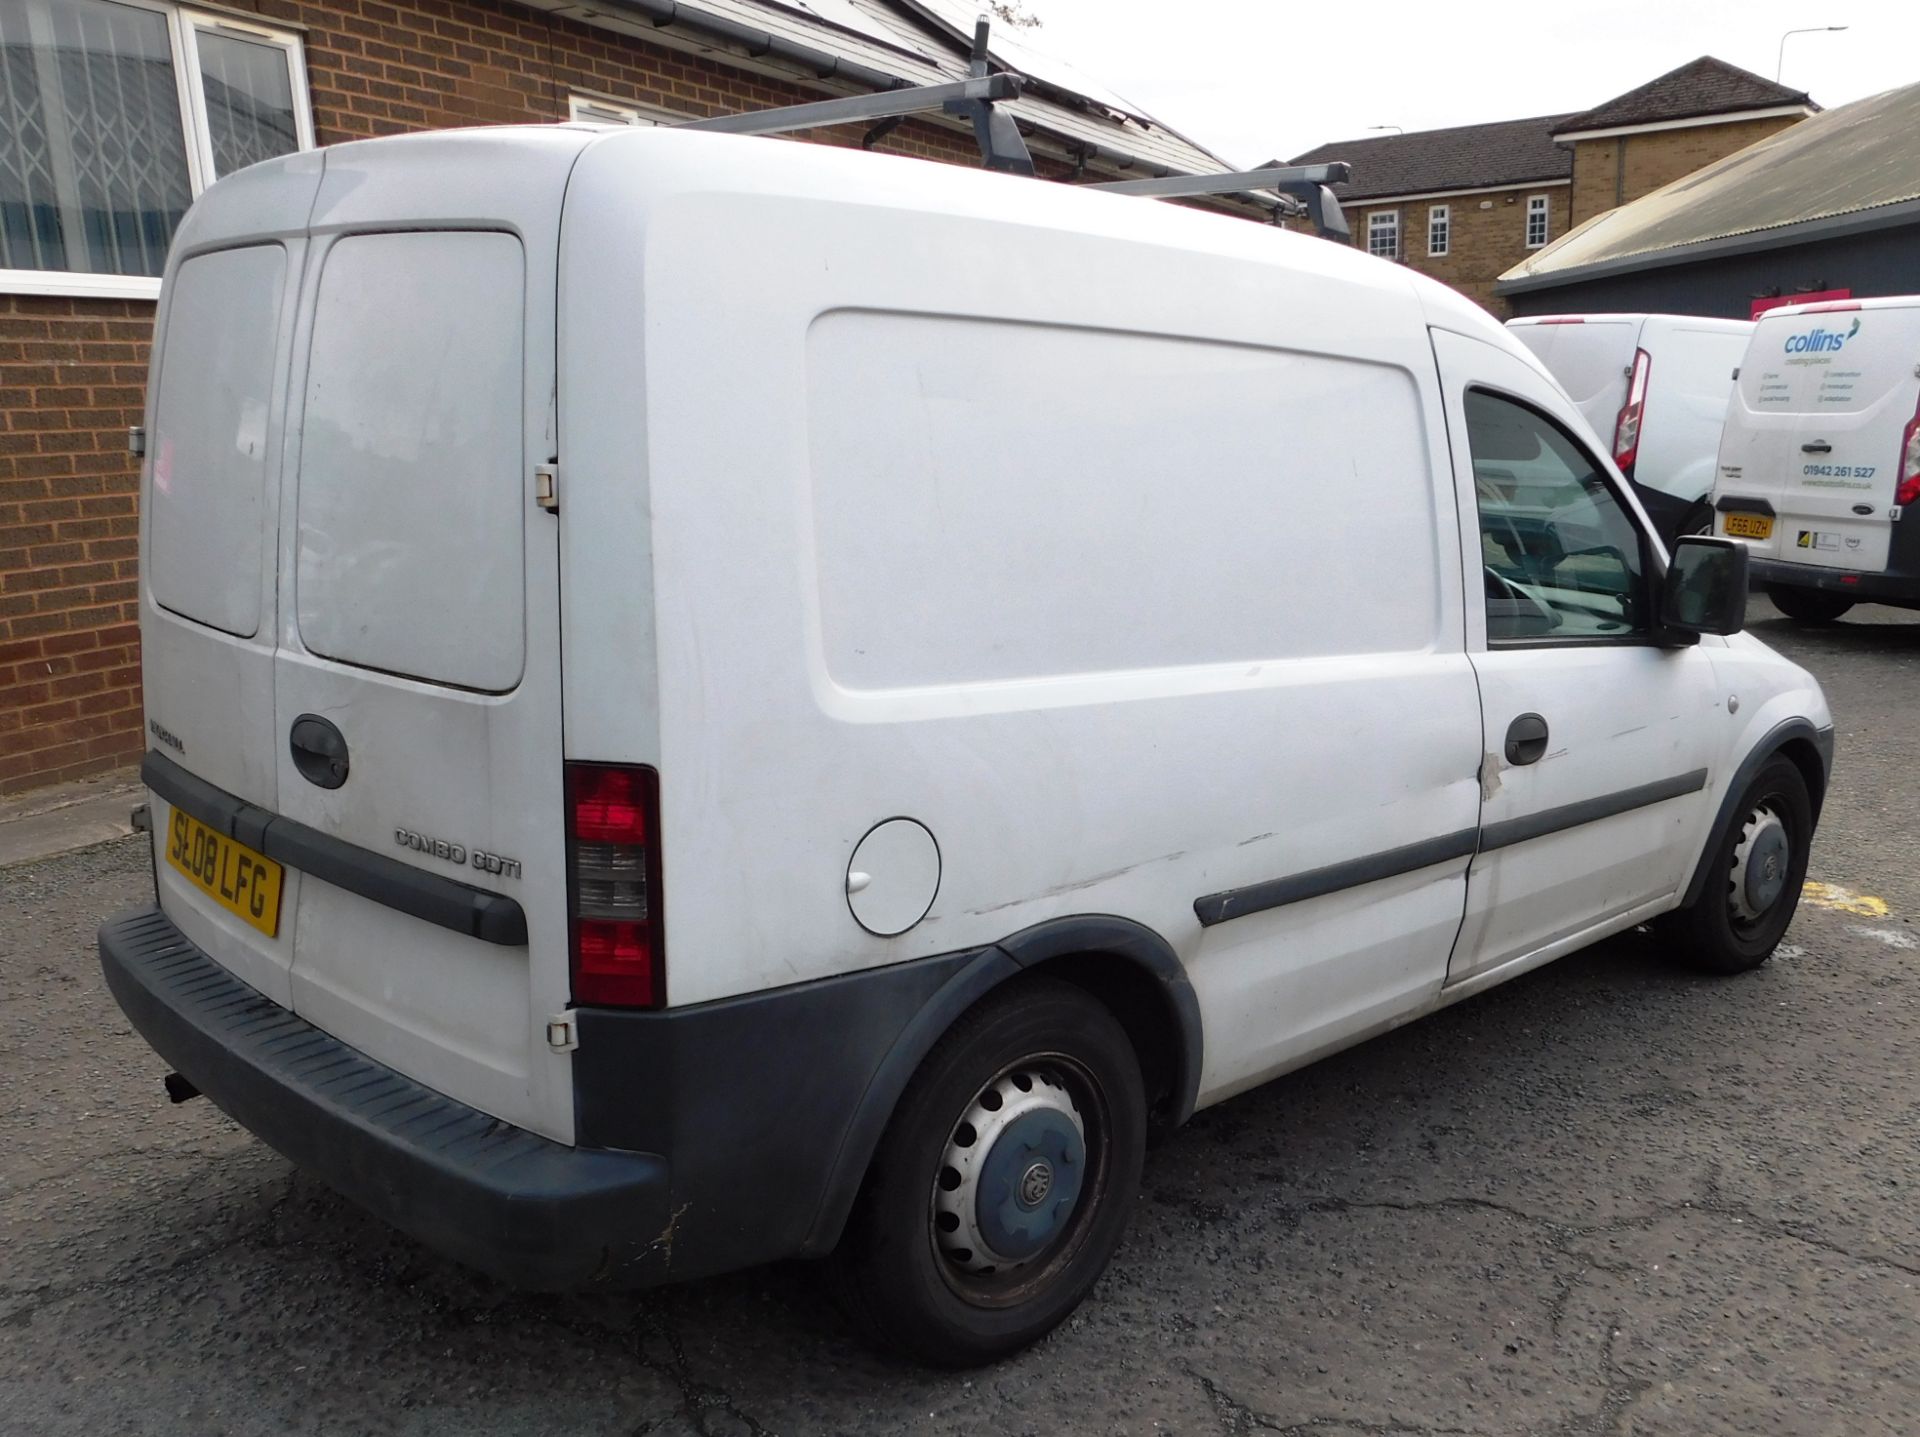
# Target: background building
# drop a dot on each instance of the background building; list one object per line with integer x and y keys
{"x": 1468, "y": 203}
{"x": 115, "y": 114}
{"x": 1829, "y": 209}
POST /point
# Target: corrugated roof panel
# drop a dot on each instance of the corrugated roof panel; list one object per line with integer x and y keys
{"x": 1856, "y": 158}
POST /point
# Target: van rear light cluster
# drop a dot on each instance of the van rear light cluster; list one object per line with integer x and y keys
{"x": 613, "y": 885}
{"x": 1626, "y": 429}
{"x": 1908, "y": 489}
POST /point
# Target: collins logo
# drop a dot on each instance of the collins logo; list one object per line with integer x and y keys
{"x": 1820, "y": 341}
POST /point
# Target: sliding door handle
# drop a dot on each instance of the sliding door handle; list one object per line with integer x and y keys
{"x": 1526, "y": 739}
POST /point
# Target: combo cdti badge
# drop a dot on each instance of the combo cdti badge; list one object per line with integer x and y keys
{"x": 717, "y": 699}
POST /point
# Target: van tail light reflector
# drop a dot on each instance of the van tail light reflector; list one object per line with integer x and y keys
{"x": 616, "y": 954}
{"x": 1908, "y": 489}
{"x": 1626, "y": 429}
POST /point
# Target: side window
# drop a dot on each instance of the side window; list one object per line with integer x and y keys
{"x": 1561, "y": 560}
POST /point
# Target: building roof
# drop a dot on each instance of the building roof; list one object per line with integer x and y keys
{"x": 861, "y": 45}
{"x": 1701, "y": 87}
{"x": 1466, "y": 157}
{"x": 1845, "y": 170}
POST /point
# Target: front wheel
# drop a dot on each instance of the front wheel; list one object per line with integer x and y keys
{"x": 1753, "y": 885}
{"x": 1003, "y": 1182}
{"x": 1808, "y": 606}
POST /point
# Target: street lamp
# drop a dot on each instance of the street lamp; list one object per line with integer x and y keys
{"x": 1780, "y": 63}
{"x": 1395, "y": 128}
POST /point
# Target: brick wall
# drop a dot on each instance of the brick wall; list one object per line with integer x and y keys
{"x": 1484, "y": 242}
{"x": 1614, "y": 171}
{"x": 72, "y": 374}
{"x": 73, "y": 371}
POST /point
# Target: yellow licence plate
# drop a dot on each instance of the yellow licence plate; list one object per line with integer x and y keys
{"x": 245, "y": 883}
{"x": 1747, "y": 526}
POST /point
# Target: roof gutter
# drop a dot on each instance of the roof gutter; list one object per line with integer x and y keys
{"x": 758, "y": 43}
{"x": 1887, "y": 216}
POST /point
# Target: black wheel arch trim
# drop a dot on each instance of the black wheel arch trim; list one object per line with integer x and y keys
{"x": 1021, "y": 952}
{"x": 1768, "y": 748}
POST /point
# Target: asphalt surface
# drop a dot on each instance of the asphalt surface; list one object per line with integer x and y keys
{"x": 1607, "y": 1197}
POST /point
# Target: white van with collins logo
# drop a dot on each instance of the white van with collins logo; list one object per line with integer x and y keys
{"x": 1819, "y": 467}
{"x": 733, "y": 700}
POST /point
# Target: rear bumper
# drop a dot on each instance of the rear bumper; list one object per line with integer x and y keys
{"x": 1900, "y": 589}
{"x": 528, "y": 1210}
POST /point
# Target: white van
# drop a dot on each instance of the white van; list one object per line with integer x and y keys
{"x": 1654, "y": 386}
{"x": 1820, "y": 464}
{"x": 714, "y": 700}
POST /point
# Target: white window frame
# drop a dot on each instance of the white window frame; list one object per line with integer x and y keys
{"x": 604, "y": 110}
{"x": 1391, "y": 228}
{"x": 1439, "y": 221}
{"x": 185, "y": 25}
{"x": 1540, "y": 207}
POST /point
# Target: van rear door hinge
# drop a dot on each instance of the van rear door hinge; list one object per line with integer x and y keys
{"x": 546, "y": 487}
{"x": 563, "y": 1035}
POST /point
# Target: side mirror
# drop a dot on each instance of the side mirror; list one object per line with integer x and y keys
{"x": 1706, "y": 590}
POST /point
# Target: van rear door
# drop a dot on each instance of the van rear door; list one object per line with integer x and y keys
{"x": 1810, "y": 455}
{"x": 1590, "y": 355}
{"x": 419, "y": 613}
{"x": 210, "y": 506}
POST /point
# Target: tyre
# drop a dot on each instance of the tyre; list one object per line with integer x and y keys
{"x": 1003, "y": 1182}
{"x": 1808, "y": 606}
{"x": 1753, "y": 886}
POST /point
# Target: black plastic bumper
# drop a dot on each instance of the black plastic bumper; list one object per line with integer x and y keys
{"x": 531, "y": 1211}
{"x": 1900, "y": 590}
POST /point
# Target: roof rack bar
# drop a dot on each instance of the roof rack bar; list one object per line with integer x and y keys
{"x": 854, "y": 109}
{"x": 1273, "y": 177}
{"x": 1305, "y": 183}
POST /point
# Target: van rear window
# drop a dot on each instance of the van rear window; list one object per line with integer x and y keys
{"x": 998, "y": 501}
{"x": 412, "y": 471}
{"x": 207, "y": 508}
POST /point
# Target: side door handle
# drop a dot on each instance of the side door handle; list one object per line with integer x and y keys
{"x": 1818, "y": 446}
{"x": 1526, "y": 739}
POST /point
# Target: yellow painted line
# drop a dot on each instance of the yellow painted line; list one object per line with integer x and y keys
{"x": 1844, "y": 900}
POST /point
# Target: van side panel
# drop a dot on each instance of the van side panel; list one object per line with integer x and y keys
{"x": 897, "y": 471}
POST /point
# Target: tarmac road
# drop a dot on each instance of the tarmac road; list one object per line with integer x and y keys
{"x": 1608, "y": 1197}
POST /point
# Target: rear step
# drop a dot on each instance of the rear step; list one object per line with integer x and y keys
{"x": 531, "y": 1211}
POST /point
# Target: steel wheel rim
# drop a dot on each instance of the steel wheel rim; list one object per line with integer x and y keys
{"x": 1757, "y": 880}
{"x": 962, "y": 1242}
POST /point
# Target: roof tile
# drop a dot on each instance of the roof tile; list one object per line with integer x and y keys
{"x": 1705, "y": 86}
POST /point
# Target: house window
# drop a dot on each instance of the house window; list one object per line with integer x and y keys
{"x": 1383, "y": 234}
{"x": 1439, "y": 231}
{"x": 599, "y": 110}
{"x": 114, "y": 115}
{"x": 1536, "y": 221}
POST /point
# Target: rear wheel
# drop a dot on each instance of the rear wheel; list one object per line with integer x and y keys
{"x": 1753, "y": 886}
{"x": 1004, "y": 1180}
{"x": 1808, "y": 606}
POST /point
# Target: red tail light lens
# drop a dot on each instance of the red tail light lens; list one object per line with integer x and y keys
{"x": 1626, "y": 429}
{"x": 613, "y": 883}
{"x": 1908, "y": 490}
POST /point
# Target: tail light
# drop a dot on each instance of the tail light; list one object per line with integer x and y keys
{"x": 613, "y": 885}
{"x": 1908, "y": 488}
{"x": 1626, "y": 429}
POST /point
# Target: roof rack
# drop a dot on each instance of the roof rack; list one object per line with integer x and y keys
{"x": 1303, "y": 189}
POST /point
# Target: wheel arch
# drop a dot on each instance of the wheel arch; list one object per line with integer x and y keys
{"x": 1809, "y": 749}
{"x": 1124, "y": 964}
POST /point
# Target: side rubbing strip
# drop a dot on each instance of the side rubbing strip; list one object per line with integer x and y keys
{"x": 1296, "y": 887}
{"x": 1510, "y": 831}
{"x": 492, "y": 917}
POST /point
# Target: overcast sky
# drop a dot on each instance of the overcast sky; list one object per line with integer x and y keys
{"x": 1251, "y": 79}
